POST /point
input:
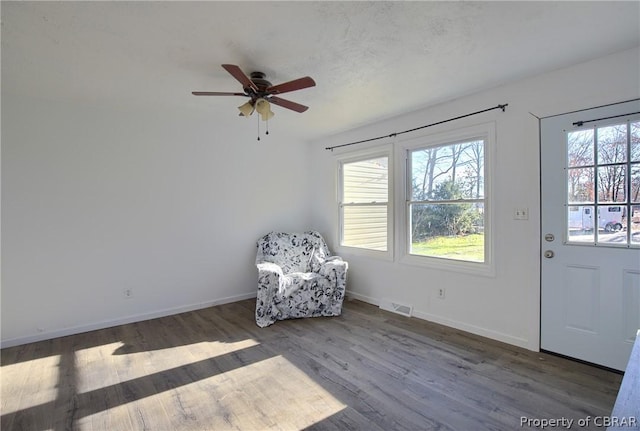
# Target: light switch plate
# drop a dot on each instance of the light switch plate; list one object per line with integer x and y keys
{"x": 521, "y": 213}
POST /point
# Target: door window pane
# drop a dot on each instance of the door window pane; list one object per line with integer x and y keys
{"x": 611, "y": 183}
{"x": 580, "y": 185}
{"x": 612, "y": 144}
{"x": 580, "y": 148}
{"x": 635, "y": 224}
{"x": 580, "y": 222}
{"x": 610, "y": 224}
{"x": 635, "y": 142}
{"x": 635, "y": 183}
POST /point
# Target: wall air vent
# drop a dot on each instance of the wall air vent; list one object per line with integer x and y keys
{"x": 395, "y": 307}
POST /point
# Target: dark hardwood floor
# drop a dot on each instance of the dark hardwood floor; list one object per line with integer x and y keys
{"x": 368, "y": 369}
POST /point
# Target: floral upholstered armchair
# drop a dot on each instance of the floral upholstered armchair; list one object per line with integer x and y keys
{"x": 297, "y": 277}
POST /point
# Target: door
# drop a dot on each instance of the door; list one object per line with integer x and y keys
{"x": 590, "y": 293}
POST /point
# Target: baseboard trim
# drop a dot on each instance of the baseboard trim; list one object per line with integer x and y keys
{"x": 122, "y": 321}
{"x": 364, "y": 298}
{"x": 495, "y": 335}
{"x": 473, "y": 329}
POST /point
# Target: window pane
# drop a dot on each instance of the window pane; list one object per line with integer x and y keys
{"x": 452, "y": 231}
{"x": 610, "y": 224}
{"x": 366, "y": 181}
{"x": 635, "y": 183}
{"x": 453, "y": 171}
{"x": 611, "y": 183}
{"x": 580, "y": 224}
{"x": 635, "y": 142}
{"x": 580, "y": 148}
{"x": 580, "y": 185}
{"x": 635, "y": 224}
{"x": 612, "y": 144}
{"x": 365, "y": 227}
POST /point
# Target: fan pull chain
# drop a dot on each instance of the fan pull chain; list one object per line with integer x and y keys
{"x": 266, "y": 132}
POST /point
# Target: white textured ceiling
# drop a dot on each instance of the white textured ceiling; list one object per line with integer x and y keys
{"x": 371, "y": 60}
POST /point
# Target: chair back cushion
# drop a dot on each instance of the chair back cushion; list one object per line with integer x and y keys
{"x": 293, "y": 252}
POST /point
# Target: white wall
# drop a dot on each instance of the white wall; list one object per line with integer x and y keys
{"x": 504, "y": 307}
{"x": 96, "y": 200}
{"x": 99, "y": 199}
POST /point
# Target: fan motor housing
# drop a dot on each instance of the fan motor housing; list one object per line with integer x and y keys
{"x": 258, "y": 79}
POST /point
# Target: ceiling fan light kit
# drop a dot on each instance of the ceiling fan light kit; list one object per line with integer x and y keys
{"x": 262, "y": 93}
{"x": 264, "y": 109}
{"x": 246, "y": 109}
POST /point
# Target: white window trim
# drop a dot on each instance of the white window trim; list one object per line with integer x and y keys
{"x": 354, "y": 156}
{"x": 486, "y": 131}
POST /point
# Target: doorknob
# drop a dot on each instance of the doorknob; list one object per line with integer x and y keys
{"x": 549, "y": 254}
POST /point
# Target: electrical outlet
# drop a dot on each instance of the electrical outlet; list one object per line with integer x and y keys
{"x": 127, "y": 293}
{"x": 441, "y": 293}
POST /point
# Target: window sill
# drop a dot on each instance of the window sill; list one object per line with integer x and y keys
{"x": 451, "y": 265}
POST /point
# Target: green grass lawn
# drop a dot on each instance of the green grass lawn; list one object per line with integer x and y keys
{"x": 463, "y": 247}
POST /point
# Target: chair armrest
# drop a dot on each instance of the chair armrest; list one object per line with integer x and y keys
{"x": 264, "y": 268}
{"x": 335, "y": 265}
{"x": 270, "y": 278}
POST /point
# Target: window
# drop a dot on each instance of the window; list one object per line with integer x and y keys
{"x": 603, "y": 185}
{"x": 447, "y": 211}
{"x": 365, "y": 213}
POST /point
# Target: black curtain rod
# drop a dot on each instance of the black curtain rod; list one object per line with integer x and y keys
{"x": 581, "y": 123}
{"x": 393, "y": 135}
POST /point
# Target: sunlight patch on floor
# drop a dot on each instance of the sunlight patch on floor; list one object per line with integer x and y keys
{"x": 30, "y": 383}
{"x": 270, "y": 393}
{"x": 96, "y": 365}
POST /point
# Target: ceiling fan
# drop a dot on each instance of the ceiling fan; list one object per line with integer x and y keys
{"x": 261, "y": 92}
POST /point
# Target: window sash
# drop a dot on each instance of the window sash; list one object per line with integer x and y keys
{"x": 364, "y": 202}
{"x": 445, "y": 148}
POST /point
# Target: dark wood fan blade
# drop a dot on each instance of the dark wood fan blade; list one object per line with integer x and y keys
{"x": 216, "y": 93}
{"x": 288, "y": 104}
{"x": 296, "y": 84}
{"x": 237, "y": 73}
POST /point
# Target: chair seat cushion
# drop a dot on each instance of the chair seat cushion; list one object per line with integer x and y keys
{"x": 296, "y": 281}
